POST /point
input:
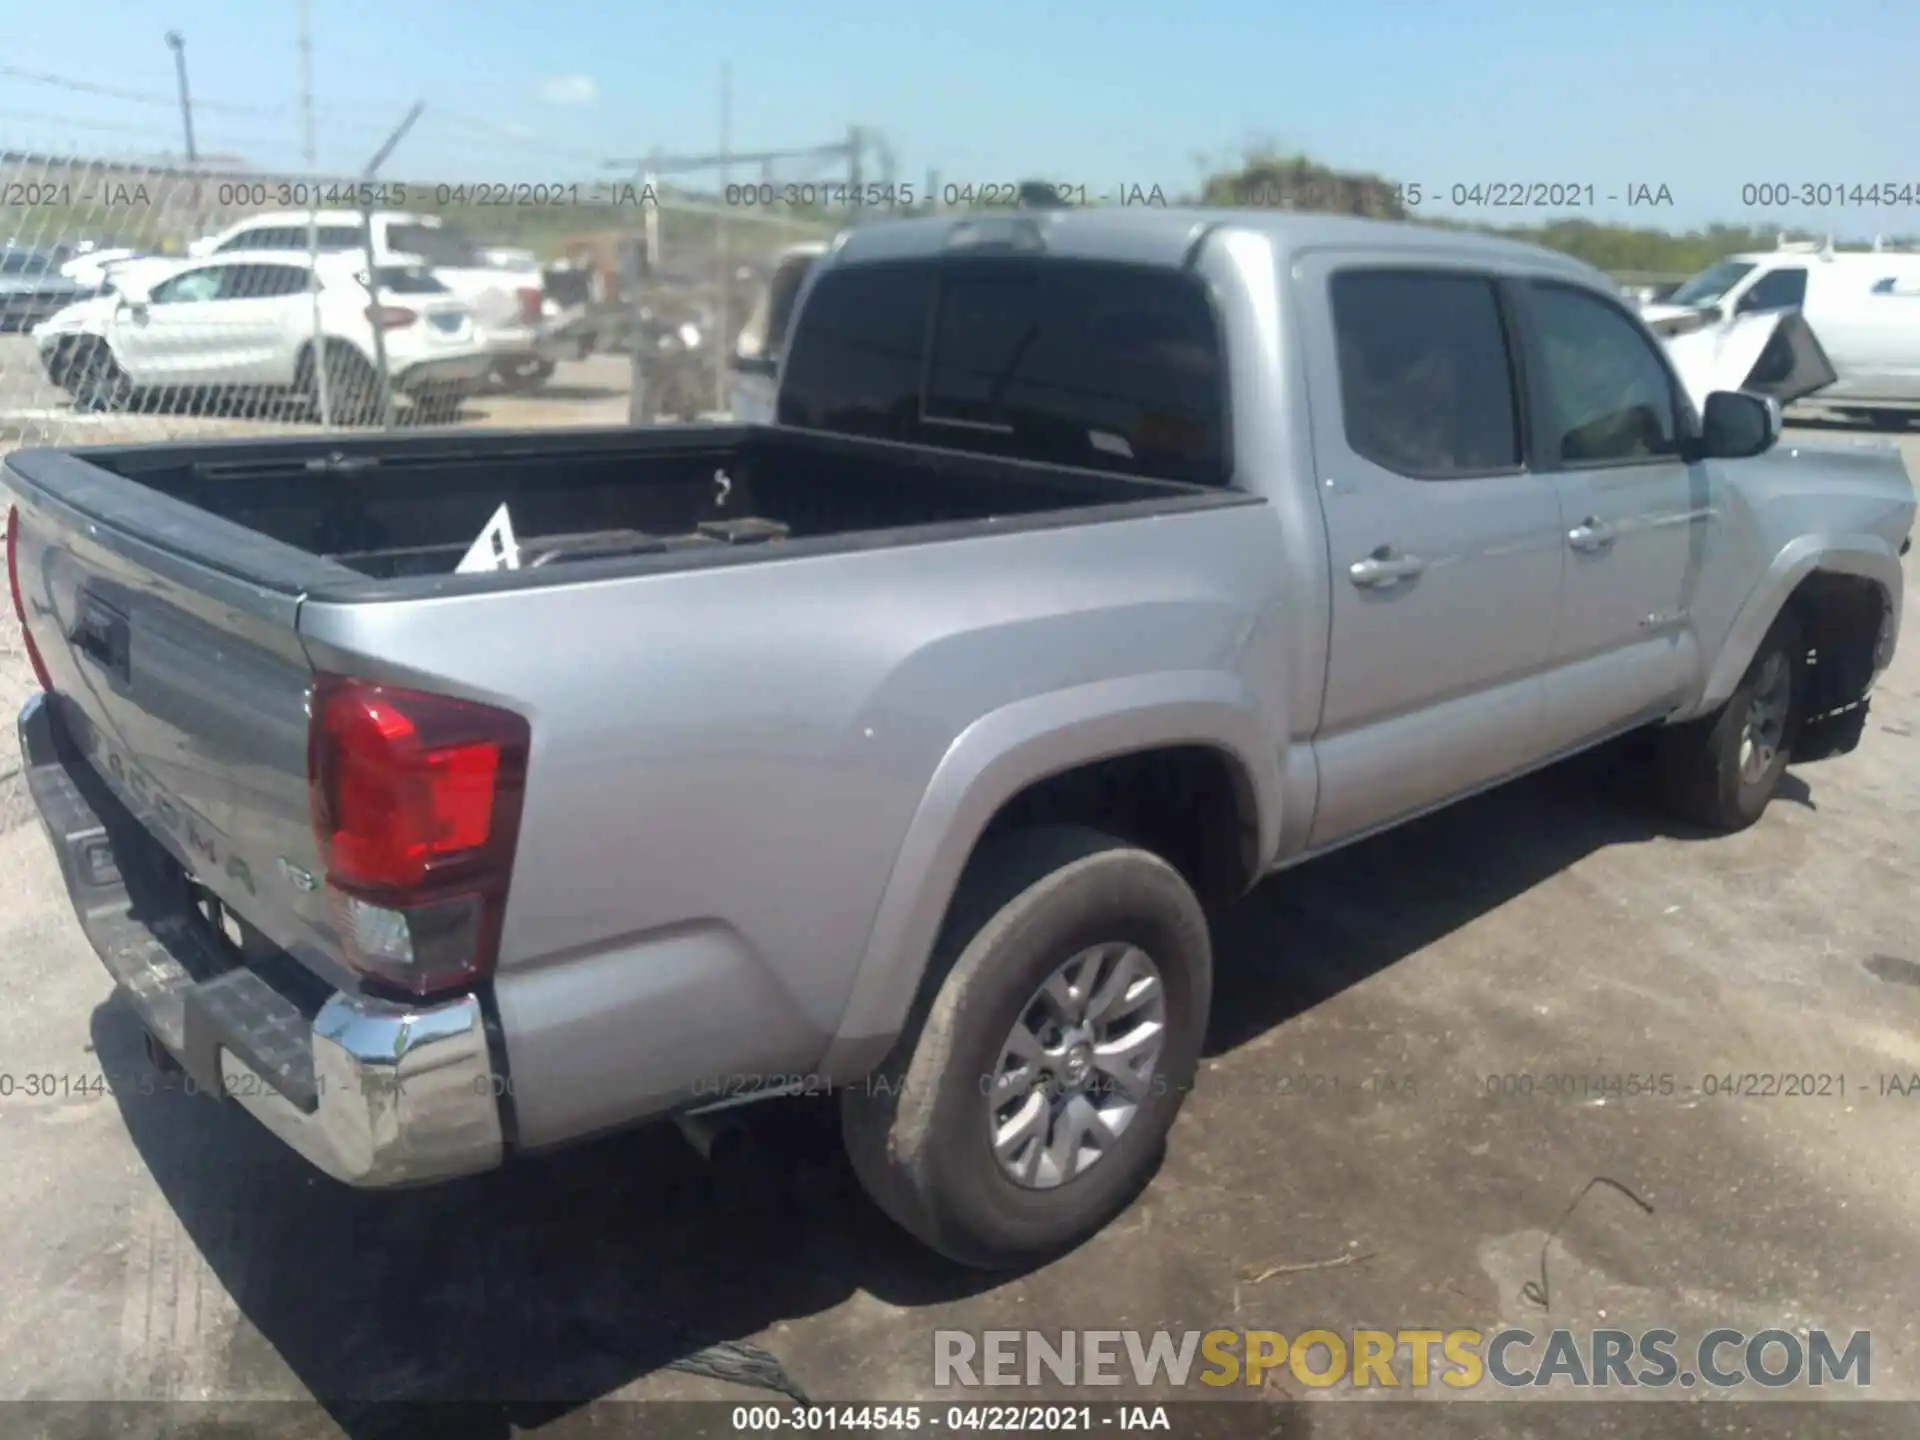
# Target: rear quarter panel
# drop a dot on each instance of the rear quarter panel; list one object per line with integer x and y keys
{"x": 726, "y": 764}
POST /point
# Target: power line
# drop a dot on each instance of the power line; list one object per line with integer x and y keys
{"x": 138, "y": 97}
{"x": 110, "y": 127}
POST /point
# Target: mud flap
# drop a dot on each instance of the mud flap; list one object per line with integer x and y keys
{"x": 1775, "y": 354}
{"x": 1826, "y": 737}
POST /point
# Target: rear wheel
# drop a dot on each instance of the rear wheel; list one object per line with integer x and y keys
{"x": 353, "y": 386}
{"x": 524, "y": 375}
{"x": 1030, "y": 1098}
{"x": 1721, "y": 770}
{"x": 95, "y": 379}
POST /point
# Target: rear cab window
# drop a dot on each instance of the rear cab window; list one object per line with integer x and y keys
{"x": 436, "y": 245}
{"x": 1098, "y": 365}
{"x": 409, "y": 280}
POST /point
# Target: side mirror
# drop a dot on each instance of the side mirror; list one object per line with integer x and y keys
{"x": 1735, "y": 425}
{"x": 134, "y": 305}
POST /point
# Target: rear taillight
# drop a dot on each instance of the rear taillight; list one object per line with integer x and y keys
{"x": 20, "y": 600}
{"x": 530, "y": 298}
{"x": 392, "y": 317}
{"x": 416, "y": 807}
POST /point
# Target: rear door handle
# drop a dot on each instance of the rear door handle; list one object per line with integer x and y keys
{"x": 1589, "y": 535}
{"x": 1383, "y": 568}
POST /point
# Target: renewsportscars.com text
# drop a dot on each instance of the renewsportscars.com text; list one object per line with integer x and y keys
{"x": 1512, "y": 1358}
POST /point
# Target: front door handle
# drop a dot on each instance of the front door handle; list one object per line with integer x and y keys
{"x": 1590, "y": 535}
{"x": 1383, "y": 568}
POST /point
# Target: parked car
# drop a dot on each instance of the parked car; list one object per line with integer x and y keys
{"x": 32, "y": 287}
{"x": 249, "y": 324}
{"x": 756, "y": 353}
{"x": 507, "y": 302}
{"x": 1100, "y": 563}
{"x": 1863, "y": 306}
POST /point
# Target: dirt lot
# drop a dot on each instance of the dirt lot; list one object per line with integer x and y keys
{"x": 156, "y": 1247}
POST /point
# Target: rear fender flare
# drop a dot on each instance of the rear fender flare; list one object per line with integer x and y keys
{"x": 994, "y": 759}
{"x": 1865, "y": 556}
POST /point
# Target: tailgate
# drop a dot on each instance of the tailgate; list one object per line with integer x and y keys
{"x": 184, "y": 690}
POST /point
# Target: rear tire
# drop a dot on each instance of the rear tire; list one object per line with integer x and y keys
{"x": 1721, "y": 770}
{"x": 523, "y": 378}
{"x": 921, "y": 1132}
{"x": 353, "y": 386}
{"x": 95, "y": 379}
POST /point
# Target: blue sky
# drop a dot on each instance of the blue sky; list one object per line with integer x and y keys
{"x": 1700, "y": 97}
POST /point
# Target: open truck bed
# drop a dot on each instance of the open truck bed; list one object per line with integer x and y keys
{"x": 393, "y": 515}
{"x": 237, "y": 640}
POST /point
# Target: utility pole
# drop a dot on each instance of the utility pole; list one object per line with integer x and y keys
{"x": 177, "y": 43}
{"x": 854, "y": 147}
{"x": 383, "y": 397}
{"x": 320, "y": 397}
{"x": 721, "y": 343}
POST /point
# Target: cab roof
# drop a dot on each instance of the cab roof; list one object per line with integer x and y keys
{"x": 1153, "y": 235}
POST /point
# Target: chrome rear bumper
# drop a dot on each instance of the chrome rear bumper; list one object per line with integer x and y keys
{"x": 374, "y": 1092}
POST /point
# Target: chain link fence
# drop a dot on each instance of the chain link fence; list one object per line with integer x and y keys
{"x": 153, "y": 302}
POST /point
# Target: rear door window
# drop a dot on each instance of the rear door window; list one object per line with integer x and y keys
{"x": 1426, "y": 382}
{"x": 1104, "y": 366}
{"x": 262, "y": 282}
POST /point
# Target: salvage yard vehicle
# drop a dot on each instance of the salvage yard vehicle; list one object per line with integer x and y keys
{"x": 508, "y": 300}
{"x": 32, "y": 287}
{"x": 1860, "y": 310}
{"x": 247, "y": 325}
{"x": 1100, "y": 563}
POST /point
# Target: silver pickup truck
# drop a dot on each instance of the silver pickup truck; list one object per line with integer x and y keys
{"x": 1099, "y": 564}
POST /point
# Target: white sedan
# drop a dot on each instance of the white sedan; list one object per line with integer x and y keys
{"x": 272, "y": 322}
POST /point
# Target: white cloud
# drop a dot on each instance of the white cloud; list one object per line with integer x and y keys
{"x": 569, "y": 90}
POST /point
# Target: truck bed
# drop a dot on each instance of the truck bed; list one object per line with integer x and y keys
{"x": 392, "y": 515}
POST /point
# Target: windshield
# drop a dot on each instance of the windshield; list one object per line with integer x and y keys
{"x": 24, "y": 262}
{"x": 435, "y": 244}
{"x": 1710, "y": 284}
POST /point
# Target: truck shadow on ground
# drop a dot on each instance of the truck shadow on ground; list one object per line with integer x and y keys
{"x": 538, "y": 1289}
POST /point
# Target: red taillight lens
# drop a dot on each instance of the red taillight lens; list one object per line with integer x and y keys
{"x": 530, "y": 300}
{"x": 20, "y": 601}
{"x": 416, "y": 808}
{"x": 392, "y": 317}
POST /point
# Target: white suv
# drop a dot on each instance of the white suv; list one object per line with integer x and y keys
{"x": 508, "y": 302}
{"x": 271, "y": 322}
